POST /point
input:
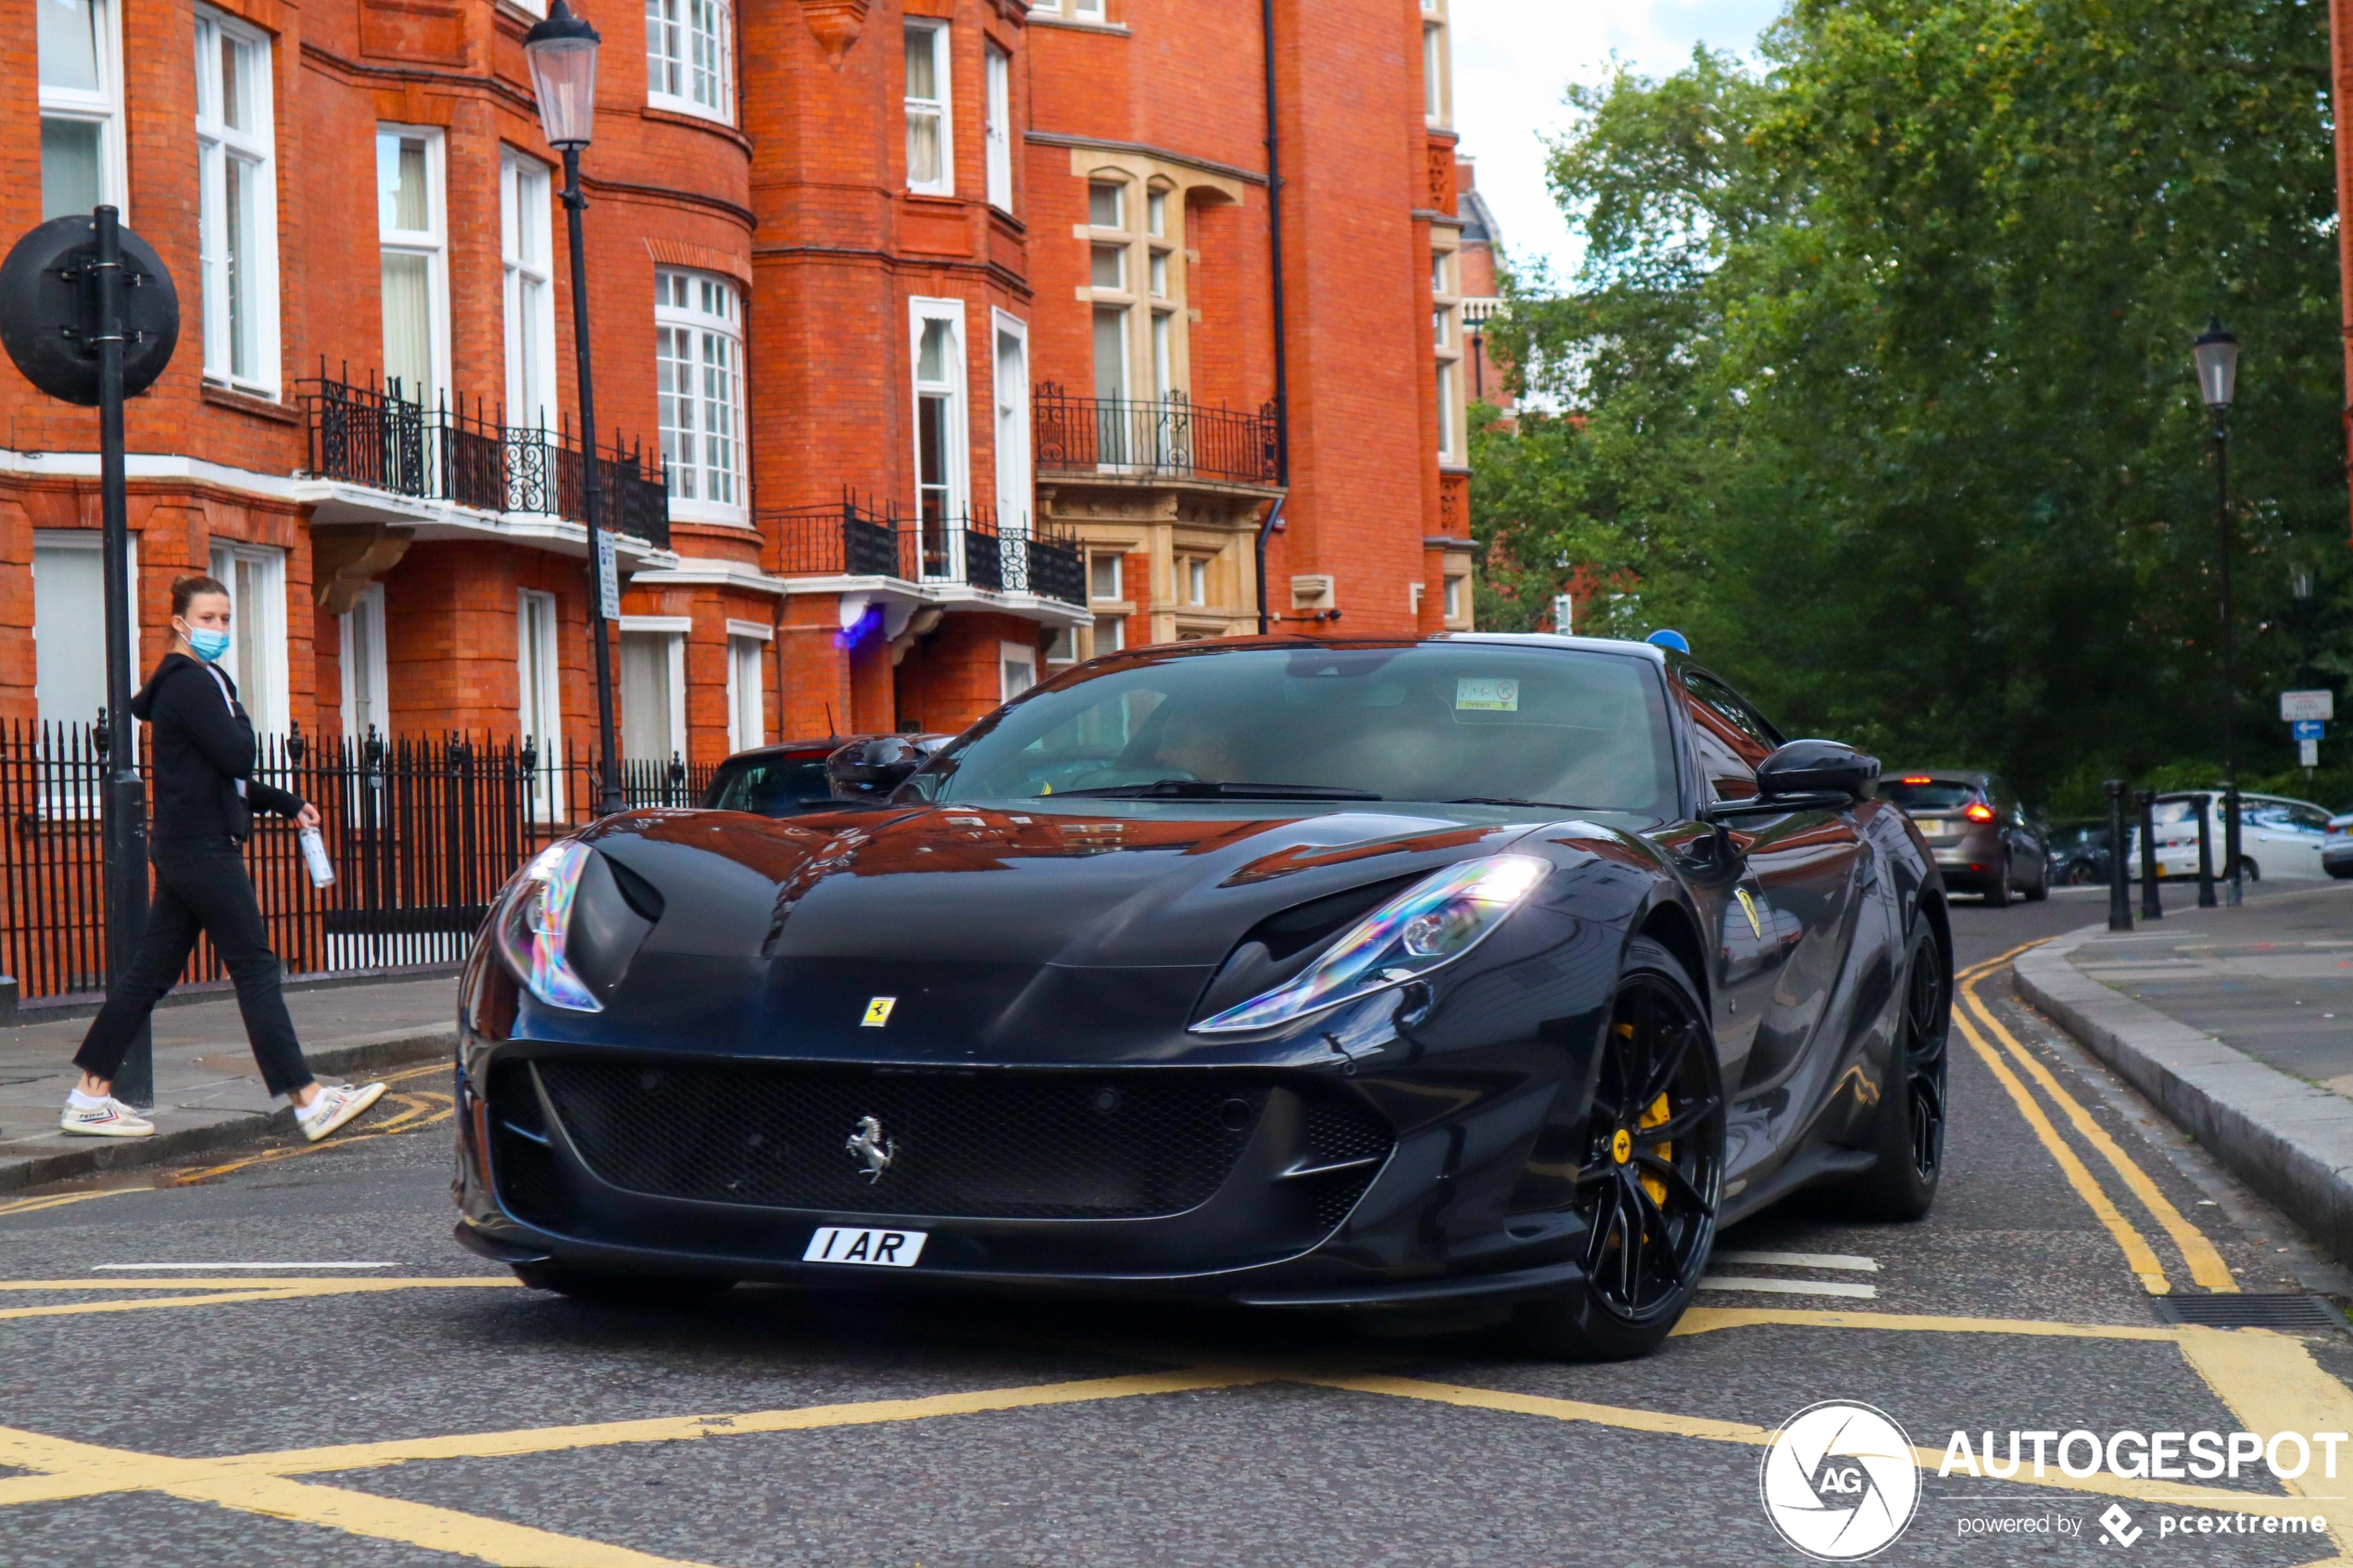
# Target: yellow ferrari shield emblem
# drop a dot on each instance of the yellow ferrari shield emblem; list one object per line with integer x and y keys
{"x": 1621, "y": 1146}
{"x": 878, "y": 1012}
{"x": 1748, "y": 907}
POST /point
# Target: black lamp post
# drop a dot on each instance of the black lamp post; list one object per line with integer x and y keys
{"x": 1474, "y": 327}
{"x": 2217, "y": 355}
{"x": 562, "y": 52}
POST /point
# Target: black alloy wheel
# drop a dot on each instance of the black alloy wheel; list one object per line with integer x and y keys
{"x": 2081, "y": 873}
{"x": 1651, "y": 1176}
{"x": 1908, "y": 1132}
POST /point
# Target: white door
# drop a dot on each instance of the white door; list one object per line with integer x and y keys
{"x": 1014, "y": 488}
{"x": 538, "y": 713}
{"x": 650, "y": 695}
{"x": 2284, "y": 838}
{"x": 363, "y": 666}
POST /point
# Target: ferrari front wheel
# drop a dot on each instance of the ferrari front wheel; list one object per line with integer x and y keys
{"x": 1652, "y": 1171}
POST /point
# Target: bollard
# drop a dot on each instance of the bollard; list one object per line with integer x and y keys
{"x": 2232, "y": 859}
{"x": 2152, "y": 907}
{"x": 2119, "y": 887}
{"x": 2205, "y": 856}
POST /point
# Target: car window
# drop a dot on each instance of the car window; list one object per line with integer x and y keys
{"x": 773, "y": 786}
{"x": 1729, "y": 735}
{"x": 2310, "y": 819}
{"x": 2166, "y": 811}
{"x": 1915, "y": 795}
{"x": 1419, "y": 721}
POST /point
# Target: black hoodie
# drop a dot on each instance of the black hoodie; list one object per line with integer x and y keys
{"x": 203, "y": 748}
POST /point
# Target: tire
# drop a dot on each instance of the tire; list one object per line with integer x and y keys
{"x": 1652, "y": 1178}
{"x": 1907, "y": 1134}
{"x": 622, "y": 1290}
{"x": 2083, "y": 873}
{"x": 1998, "y": 897}
{"x": 2254, "y": 872}
{"x": 2042, "y": 888}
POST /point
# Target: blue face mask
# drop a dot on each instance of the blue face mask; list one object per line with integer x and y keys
{"x": 209, "y": 645}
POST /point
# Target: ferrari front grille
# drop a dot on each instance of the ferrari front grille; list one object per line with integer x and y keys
{"x": 982, "y": 1146}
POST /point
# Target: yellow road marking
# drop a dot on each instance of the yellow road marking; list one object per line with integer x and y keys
{"x": 1625, "y": 1419}
{"x": 1707, "y": 1320}
{"x": 260, "y": 1282}
{"x": 85, "y": 1309}
{"x": 2138, "y": 1255}
{"x": 2273, "y": 1384}
{"x": 358, "y": 1514}
{"x": 2206, "y": 1267}
{"x": 57, "y": 1199}
{"x": 262, "y": 1287}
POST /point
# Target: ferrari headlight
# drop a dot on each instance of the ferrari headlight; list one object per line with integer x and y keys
{"x": 1430, "y": 924}
{"x": 533, "y": 926}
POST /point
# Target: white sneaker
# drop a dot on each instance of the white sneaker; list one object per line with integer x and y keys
{"x": 335, "y": 1106}
{"x": 110, "y": 1119}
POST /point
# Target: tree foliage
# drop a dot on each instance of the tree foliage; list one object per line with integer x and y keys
{"x": 1879, "y": 359}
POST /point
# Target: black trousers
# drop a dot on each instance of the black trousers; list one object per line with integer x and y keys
{"x": 200, "y": 886}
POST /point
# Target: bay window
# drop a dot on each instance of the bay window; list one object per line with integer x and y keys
{"x": 937, "y": 329}
{"x": 690, "y": 57}
{"x": 412, "y": 237}
{"x": 699, "y": 384}
{"x": 237, "y": 205}
{"x": 1000, "y": 130}
{"x": 931, "y": 153}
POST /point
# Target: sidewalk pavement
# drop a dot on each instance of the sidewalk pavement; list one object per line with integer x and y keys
{"x": 208, "y": 1093}
{"x": 2239, "y": 1024}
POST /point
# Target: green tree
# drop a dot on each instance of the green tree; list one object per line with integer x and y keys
{"x": 1879, "y": 363}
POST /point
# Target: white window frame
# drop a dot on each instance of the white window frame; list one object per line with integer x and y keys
{"x": 361, "y": 639}
{"x": 673, "y": 630}
{"x": 1197, "y": 581}
{"x": 526, "y": 247}
{"x": 432, "y": 242}
{"x": 547, "y": 785}
{"x": 955, "y": 391}
{"x": 696, "y": 27}
{"x": 1086, "y": 11}
{"x": 748, "y": 684}
{"x": 255, "y": 148}
{"x": 102, "y": 108}
{"x": 264, "y": 692}
{"x": 693, "y": 482}
{"x": 1438, "y": 85}
{"x": 1118, "y": 559}
{"x": 1012, "y": 657}
{"x": 998, "y": 131}
{"x": 941, "y": 107}
{"x": 93, "y": 541}
{"x": 1016, "y": 481}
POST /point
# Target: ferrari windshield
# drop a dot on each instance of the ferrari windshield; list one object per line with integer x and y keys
{"x": 1432, "y": 721}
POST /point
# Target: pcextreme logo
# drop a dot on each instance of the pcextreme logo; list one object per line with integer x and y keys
{"x": 1838, "y": 1481}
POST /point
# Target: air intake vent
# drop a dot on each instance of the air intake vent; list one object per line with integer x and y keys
{"x": 2293, "y": 1314}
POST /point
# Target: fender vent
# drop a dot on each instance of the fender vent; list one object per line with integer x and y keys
{"x": 2293, "y": 1314}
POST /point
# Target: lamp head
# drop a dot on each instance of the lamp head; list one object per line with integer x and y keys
{"x": 562, "y": 52}
{"x": 2216, "y": 354}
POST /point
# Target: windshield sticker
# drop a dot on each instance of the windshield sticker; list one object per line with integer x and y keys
{"x": 1488, "y": 697}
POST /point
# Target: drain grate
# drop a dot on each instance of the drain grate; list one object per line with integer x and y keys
{"x": 2295, "y": 1314}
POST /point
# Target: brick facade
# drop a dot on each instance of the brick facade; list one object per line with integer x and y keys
{"x": 798, "y": 199}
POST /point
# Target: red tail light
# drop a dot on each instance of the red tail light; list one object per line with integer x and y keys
{"x": 1978, "y": 813}
{"x": 1915, "y": 778}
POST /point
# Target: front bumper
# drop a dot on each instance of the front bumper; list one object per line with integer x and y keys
{"x": 1310, "y": 1198}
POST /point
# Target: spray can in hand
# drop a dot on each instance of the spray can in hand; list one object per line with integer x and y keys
{"x": 314, "y": 858}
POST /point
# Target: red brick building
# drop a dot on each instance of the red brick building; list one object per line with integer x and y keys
{"x": 936, "y": 345}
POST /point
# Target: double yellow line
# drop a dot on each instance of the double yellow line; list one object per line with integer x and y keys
{"x": 2206, "y": 1267}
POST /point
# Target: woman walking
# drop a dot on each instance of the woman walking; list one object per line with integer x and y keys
{"x": 205, "y": 798}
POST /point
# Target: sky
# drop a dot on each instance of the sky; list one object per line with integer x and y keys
{"x": 1514, "y": 58}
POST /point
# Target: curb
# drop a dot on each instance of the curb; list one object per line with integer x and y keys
{"x": 2289, "y": 1140}
{"x": 359, "y": 1053}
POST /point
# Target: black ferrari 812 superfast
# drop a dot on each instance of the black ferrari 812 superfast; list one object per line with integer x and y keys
{"x": 1449, "y": 978}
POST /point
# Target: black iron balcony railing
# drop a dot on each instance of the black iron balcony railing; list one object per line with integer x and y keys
{"x": 852, "y": 539}
{"x": 1160, "y": 437}
{"x": 374, "y": 435}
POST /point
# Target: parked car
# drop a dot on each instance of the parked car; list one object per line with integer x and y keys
{"x": 2337, "y": 848}
{"x": 1979, "y": 831}
{"x": 2078, "y": 853}
{"x": 787, "y": 779}
{"x": 2278, "y": 836}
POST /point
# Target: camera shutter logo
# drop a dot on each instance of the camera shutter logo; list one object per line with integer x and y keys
{"x": 1838, "y": 1481}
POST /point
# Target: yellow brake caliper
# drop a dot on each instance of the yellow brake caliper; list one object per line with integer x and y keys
{"x": 1657, "y": 1114}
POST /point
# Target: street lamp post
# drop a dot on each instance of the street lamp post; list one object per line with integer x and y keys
{"x": 2216, "y": 353}
{"x": 562, "y": 52}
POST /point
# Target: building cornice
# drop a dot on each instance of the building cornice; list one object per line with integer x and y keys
{"x": 1144, "y": 150}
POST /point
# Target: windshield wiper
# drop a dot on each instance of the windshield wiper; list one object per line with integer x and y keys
{"x": 1210, "y": 789}
{"x": 1508, "y": 800}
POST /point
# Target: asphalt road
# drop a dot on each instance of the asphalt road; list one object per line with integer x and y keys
{"x": 430, "y": 1412}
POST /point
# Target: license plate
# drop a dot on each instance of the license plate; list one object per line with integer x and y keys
{"x": 1929, "y": 826}
{"x": 879, "y": 1250}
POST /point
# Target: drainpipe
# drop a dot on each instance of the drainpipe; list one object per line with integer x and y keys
{"x": 1282, "y": 350}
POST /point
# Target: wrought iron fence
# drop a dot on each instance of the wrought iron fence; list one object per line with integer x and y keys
{"x": 1168, "y": 436}
{"x": 378, "y": 436}
{"x": 424, "y": 832}
{"x": 851, "y": 538}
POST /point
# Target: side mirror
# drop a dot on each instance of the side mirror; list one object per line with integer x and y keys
{"x": 1817, "y": 767}
{"x": 869, "y": 769}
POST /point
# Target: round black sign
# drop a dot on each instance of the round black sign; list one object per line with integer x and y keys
{"x": 48, "y": 305}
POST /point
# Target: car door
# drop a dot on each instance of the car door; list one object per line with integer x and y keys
{"x": 1798, "y": 871}
{"x": 2284, "y": 837}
